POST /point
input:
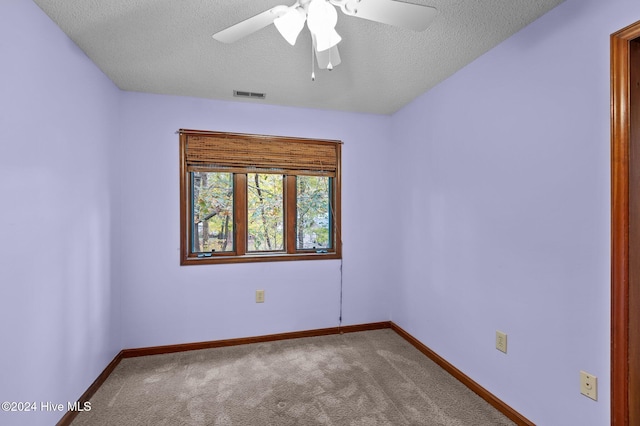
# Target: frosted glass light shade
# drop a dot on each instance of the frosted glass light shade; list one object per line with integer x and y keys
{"x": 290, "y": 24}
{"x": 321, "y": 20}
{"x": 327, "y": 39}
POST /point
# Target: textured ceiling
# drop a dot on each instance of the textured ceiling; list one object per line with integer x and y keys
{"x": 165, "y": 47}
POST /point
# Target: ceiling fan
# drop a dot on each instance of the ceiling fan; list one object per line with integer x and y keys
{"x": 321, "y": 18}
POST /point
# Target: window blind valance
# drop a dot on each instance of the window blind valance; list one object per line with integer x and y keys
{"x": 230, "y": 150}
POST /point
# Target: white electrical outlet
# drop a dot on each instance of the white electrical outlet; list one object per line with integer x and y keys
{"x": 501, "y": 341}
{"x": 589, "y": 385}
{"x": 259, "y": 296}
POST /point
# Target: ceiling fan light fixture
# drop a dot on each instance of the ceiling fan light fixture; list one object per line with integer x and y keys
{"x": 290, "y": 24}
{"x": 326, "y": 40}
{"x": 322, "y": 18}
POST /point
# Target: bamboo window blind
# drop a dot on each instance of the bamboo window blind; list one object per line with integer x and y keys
{"x": 241, "y": 152}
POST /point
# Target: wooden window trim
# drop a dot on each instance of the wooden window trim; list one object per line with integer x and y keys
{"x": 240, "y": 229}
{"x": 239, "y": 216}
{"x": 290, "y": 214}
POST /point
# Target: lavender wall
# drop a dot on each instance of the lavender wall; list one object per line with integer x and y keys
{"x": 508, "y": 219}
{"x": 58, "y": 308}
{"x": 164, "y": 303}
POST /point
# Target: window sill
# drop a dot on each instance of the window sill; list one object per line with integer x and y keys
{"x": 270, "y": 257}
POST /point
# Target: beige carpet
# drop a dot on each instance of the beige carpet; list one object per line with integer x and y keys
{"x": 359, "y": 379}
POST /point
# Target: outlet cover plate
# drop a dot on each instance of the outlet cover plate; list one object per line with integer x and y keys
{"x": 259, "y": 296}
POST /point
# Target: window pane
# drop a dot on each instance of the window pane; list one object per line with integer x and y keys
{"x": 313, "y": 225}
{"x": 212, "y": 212}
{"x": 265, "y": 213}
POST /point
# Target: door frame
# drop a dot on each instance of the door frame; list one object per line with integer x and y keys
{"x": 624, "y": 339}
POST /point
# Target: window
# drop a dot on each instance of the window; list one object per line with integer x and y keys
{"x": 253, "y": 198}
{"x": 313, "y": 221}
{"x": 212, "y": 212}
{"x": 265, "y": 212}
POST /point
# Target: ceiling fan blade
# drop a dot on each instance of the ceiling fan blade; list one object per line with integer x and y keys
{"x": 404, "y": 15}
{"x": 251, "y": 25}
{"x": 329, "y": 56}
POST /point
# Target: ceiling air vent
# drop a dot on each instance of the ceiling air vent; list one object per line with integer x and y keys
{"x": 252, "y": 95}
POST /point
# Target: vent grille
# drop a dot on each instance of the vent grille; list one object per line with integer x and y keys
{"x": 245, "y": 94}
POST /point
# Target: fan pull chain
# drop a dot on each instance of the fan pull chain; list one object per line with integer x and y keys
{"x": 313, "y": 64}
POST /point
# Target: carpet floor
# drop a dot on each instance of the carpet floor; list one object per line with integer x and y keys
{"x": 366, "y": 378}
